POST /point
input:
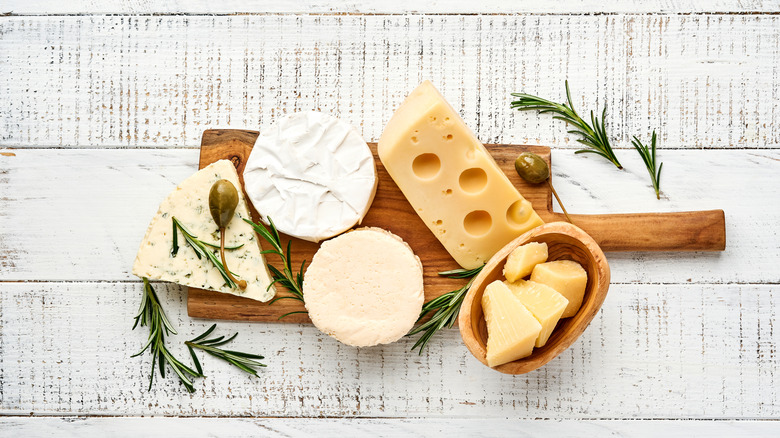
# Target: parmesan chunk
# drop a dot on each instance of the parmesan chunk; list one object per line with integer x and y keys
{"x": 521, "y": 260}
{"x": 567, "y": 278}
{"x": 544, "y": 302}
{"x": 512, "y": 328}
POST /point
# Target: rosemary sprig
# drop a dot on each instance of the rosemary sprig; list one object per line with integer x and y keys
{"x": 446, "y": 308}
{"x": 244, "y": 361}
{"x": 151, "y": 313}
{"x": 594, "y": 136}
{"x": 648, "y": 156}
{"x": 291, "y": 281}
{"x": 201, "y": 250}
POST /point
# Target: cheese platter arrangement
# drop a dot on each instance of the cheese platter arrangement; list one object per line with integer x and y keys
{"x": 305, "y": 222}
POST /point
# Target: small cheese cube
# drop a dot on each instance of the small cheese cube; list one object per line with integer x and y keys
{"x": 512, "y": 329}
{"x": 522, "y": 260}
{"x": 544, "y": 302}
{"x": 566, "y": 277}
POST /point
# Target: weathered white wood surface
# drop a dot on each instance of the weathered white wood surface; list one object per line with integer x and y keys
{"x": 100, "y": 116}
{"x": 46, "y": 7}
{"x": 428, "y": 427}
{"x": 654, "y": 351}
{"x": 703, "y": 81}
{"x": 674, "y": 350}
{"x": 71, "y": 215}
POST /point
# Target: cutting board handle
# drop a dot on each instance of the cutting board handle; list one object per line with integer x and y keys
{"x": 684, "y": 231}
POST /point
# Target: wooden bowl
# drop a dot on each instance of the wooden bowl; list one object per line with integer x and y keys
{"x": 564, "y": 242}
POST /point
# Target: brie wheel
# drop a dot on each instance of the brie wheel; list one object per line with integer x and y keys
{"x": 364, "y": 287}
{"x": 313, "y": 174}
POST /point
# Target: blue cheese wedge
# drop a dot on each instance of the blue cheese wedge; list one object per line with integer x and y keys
{"x": 189, "y": 204}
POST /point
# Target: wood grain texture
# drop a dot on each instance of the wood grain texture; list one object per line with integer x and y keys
{"x": 391, "y": 211}
{"x": 47, "y": 7}
{"x": 701, "y": 81}
{"x": 564, "y": 242}
{"x": 653, "y": 351}
{"x": 14, "y": 427}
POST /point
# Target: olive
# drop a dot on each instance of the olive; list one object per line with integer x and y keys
{"x": 223, "y": 199}
{"x": 535, "y": 170}
{"x": 532, "y": 168}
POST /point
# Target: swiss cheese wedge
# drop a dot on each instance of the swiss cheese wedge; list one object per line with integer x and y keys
{"x": 189, "y": 204}
{"x": 451, "y": 180}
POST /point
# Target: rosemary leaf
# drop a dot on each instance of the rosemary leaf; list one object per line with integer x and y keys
{"x": 151, "y": 313}
{"x": 214, "y": 245}
{"x": 445, "y": 308}
{"x": 195, "y": 360}
{"x": 201, "y": 249}
{"x": 244, "y": 361}
{"x": 648, "y": 156}
{"x": 292, "y": 281}
{"x": 594, "y": 135}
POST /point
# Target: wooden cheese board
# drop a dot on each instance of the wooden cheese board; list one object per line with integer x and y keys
{"x": 685, "y": 231}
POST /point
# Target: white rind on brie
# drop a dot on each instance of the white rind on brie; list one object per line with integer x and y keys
{"x": 313, "y": 174}
{"x": 189, "y": 204}
{"x": 364, "y": 287}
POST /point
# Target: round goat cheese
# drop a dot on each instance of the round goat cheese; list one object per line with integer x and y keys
{"x": 364, "y": 287}
{"x": 313, "y": 174}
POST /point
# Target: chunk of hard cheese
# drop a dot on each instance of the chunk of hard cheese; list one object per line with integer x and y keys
{"x": 364, "y": 287}
{"x": 544, "y": 302}
{"x": 521, "y": 260}
{"x": 512, "y": 328}
{"x": 565, "y": 276}
{"x": 451, "y": 180}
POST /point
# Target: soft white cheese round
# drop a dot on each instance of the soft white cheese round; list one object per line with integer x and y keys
{"x": 364, "y": 287}
{"x": 313, "y": 174}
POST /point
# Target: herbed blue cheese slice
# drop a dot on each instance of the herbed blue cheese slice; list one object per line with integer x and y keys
{"x": 189, "y": 204}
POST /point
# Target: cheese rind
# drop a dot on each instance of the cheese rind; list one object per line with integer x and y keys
{"x": 364, "y": 287}
{"x": 189, "y": 204}
{"x": 567, "y": 277}
{"x": 512, "y": 328}
{"x": 521, "y": 260}
{"x": 313, "y": 174}
{"x": 451, "y": 180}
{"x": 544, "y": 302}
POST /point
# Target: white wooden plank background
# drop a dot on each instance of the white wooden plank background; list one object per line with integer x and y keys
{"x": 274, "y": 427}
{"x": 701, "y": 81}
{"x": 654, "y": 351}
{"x": 45, "y": 7}
{"x": 105, "y": 196}
{"x": 101, "y": 115}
